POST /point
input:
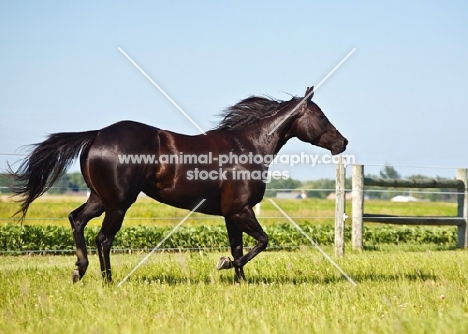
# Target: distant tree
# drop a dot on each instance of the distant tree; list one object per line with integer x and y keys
{"x": 433, "y": 195}
{"x": 378, "y": 193}
{"x": 73, "y": 182}
{"x": 289, "y": 183}
{"x": 5, "y": 183}
{"x": 68, "y": 182}
{"x": 389, "y": 172}
{"x": 320, "y": 188}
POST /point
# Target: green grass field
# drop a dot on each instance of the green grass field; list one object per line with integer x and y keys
{"x": 404, "y": 289}
{"x": 398, "y": 291}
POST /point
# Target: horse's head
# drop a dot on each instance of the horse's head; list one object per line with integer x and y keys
{"x": 312, "y": 126}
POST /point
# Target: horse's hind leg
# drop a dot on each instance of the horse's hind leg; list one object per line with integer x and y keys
{"x": 110, "y": 226}
{"x": 78, "y": 220}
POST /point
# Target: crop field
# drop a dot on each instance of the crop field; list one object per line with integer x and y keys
{"x": 54, "y": 210}
{"x": 406, "y": 288}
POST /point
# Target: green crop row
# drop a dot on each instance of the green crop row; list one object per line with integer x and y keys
{"x": 56, "y": 238}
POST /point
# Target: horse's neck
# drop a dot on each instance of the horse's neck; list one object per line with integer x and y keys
{"x": 271, "y": 135}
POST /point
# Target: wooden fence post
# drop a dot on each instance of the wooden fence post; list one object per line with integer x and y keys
{"x": 340, "y": 207}
{"x": 463, "y": 208}
{"x": 357, "y": 206}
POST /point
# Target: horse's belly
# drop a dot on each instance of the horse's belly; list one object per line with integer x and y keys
{"x": 184, "y": 198}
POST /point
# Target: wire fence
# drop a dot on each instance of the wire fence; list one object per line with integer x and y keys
{"x": 450, "y": 196}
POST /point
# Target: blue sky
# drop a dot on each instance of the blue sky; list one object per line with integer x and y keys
{"x": 400, "y": 98}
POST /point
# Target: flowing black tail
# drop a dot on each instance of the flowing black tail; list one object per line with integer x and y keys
{"x": 45, "y": 164}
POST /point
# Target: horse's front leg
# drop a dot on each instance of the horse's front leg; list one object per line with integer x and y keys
{"x": 235, "y": 241}
{"x": 243, "y": 221}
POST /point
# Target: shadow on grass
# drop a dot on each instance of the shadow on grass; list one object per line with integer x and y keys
{"x": 411, "y": 277}
{"x": 289, "y": 279}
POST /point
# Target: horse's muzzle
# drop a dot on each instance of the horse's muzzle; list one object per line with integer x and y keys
{"x": 340, "y": 146}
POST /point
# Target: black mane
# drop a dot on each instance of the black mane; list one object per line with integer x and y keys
{"x": 250, "y": 110}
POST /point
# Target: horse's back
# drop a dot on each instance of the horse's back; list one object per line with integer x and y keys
{"x": 128, "y": 130}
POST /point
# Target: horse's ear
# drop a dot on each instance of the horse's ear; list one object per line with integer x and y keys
{"x": 309, "y": 90}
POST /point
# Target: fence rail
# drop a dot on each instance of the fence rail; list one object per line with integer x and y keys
{"x": 408, "y": 183}
{"x": 411, "y": 220}
{"x": 359, "y": 217}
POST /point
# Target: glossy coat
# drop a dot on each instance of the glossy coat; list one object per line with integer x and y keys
{"x": 114, "y": 185}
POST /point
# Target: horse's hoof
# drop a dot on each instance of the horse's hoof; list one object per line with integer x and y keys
{"x": 224, "y": 263}
{"x": 76, "y": 276}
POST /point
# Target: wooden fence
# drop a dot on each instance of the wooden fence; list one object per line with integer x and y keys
{"x": 460, "y": 183}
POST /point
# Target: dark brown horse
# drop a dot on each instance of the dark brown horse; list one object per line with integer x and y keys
{"x": 226, "y": 168}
